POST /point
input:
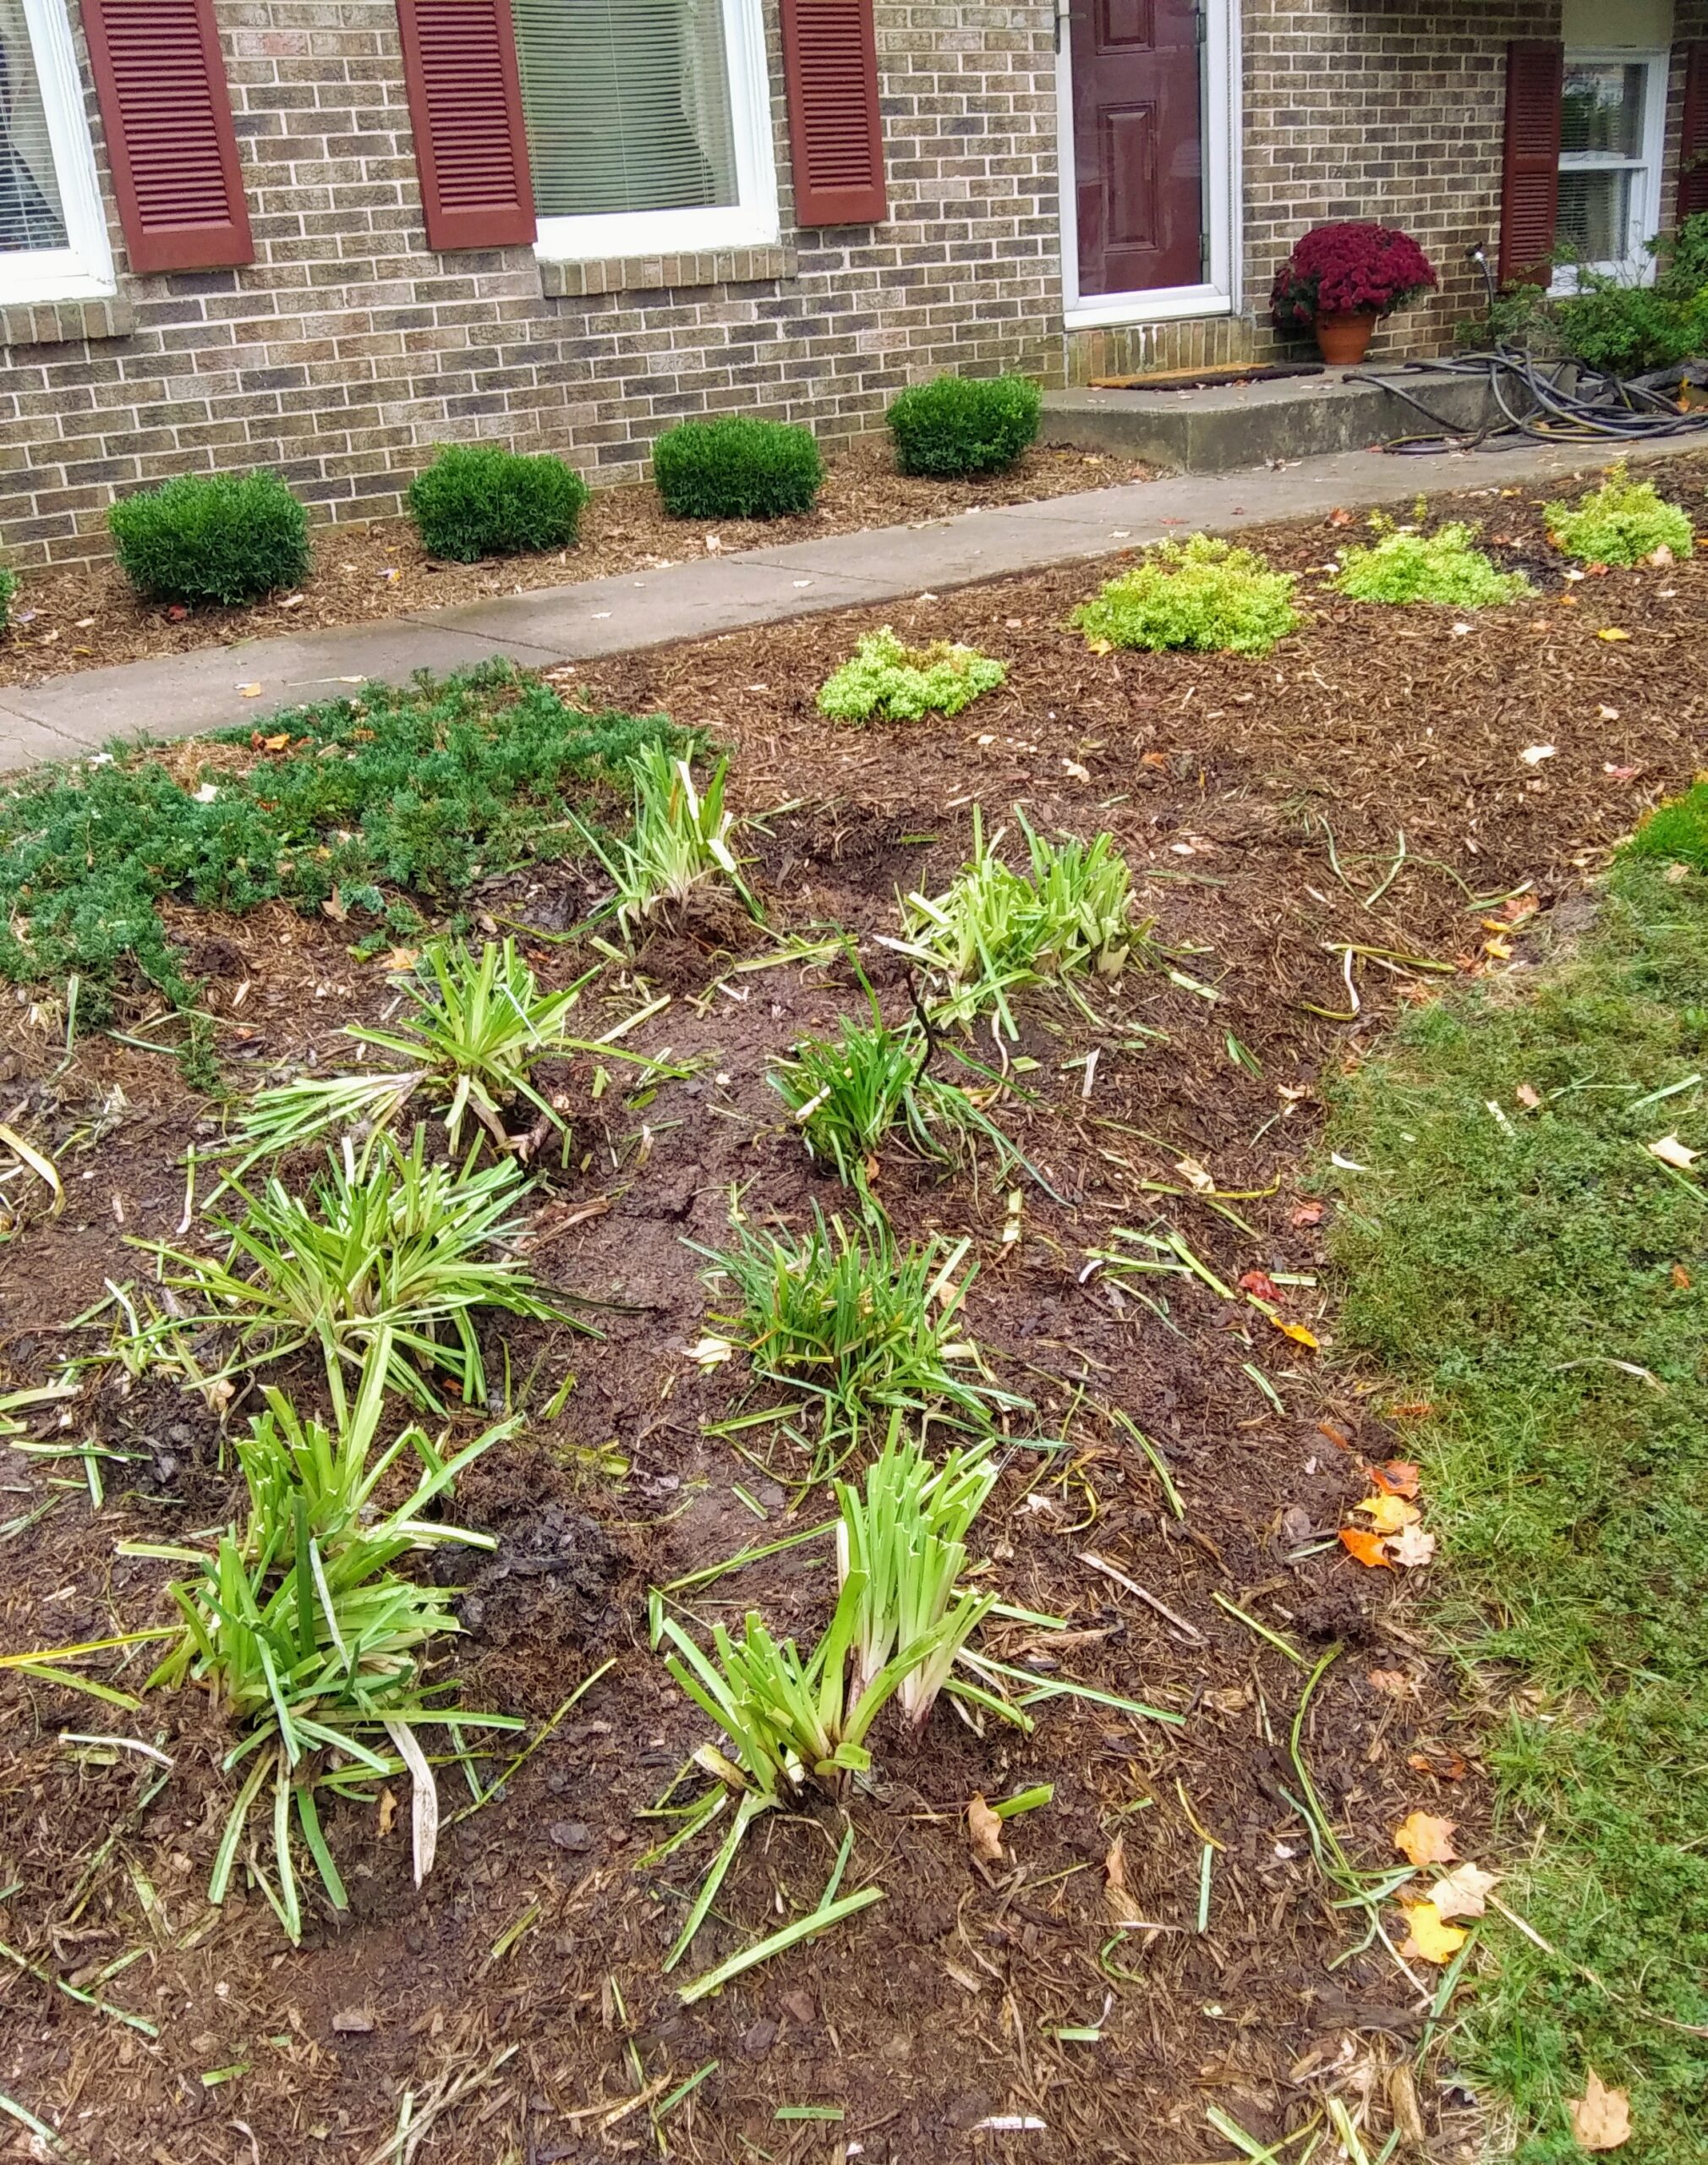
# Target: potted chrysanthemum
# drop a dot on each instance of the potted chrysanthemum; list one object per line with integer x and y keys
{"x": 1341, "y": 279}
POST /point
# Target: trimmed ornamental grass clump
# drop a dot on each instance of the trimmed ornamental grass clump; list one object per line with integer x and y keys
{"x": 478, "y": 500}
{"x": 1202, "y": 595}
{"x": 220, "y": 538}
{"x": 425, "y": 789}
{"x": 900, "y": 683}
{"x": 737, "y": 469}
{"x": 1403, "y": 566}
{"x": 1624, "y": 522}
{"x": 8, "y": 586}
{"x": 960, "y": 425}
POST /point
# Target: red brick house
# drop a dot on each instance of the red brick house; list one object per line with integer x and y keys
{"x": 322, "y": 235}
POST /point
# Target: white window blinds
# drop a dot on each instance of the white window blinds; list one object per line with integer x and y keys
{"x": 627, "y": 105}
{"x": 31, "y": 213}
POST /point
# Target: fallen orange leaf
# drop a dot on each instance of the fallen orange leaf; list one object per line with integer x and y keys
{"x": 1425, "y": 1839}
{"x": 1399, "y": 1477}
{"x": 1428, "y": 1939}
{"x": 1681, "y": 1277}
{"x": 1367, "y": 1548}
{"x": 984, "y": 1830}
{"x": 1295, "y": 1331}
{"x": 1601, "y": 2118}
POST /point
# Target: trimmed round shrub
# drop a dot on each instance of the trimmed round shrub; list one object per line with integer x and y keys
{"x": 1204, "y": 595}
{"x": 479, "y": 500}
{"x": 1403, "y": 567}
{"x": 737, "y": 469}
{"x": 224, "y": 538}
{"x": 8, "y": 586}
{"x": 903, "y": 683}
{"x": 961, "y": 424}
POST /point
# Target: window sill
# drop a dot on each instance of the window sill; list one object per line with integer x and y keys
{"x": 1165, "y": 305}
{"x": 562, "y": 280}
{"x": 65, "y": 323}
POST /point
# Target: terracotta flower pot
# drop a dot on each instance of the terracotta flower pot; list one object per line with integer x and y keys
{"x": 1344, "y": 340}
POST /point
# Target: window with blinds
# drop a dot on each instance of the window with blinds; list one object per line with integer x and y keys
{"x": 32, "y": 215}
{"x": 628, "y": 105}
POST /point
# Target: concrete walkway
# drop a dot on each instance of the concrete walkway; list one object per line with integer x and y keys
{"x": 181, "y": 694}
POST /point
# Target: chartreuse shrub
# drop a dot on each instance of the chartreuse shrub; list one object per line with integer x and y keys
{"x": 479, "y": 500}
{"x": 1515, "y": 1256}
{"x": 1201, "y": 594}
{"x": 423, "y": 789}
{"x": 223, "y": 537}
{"x": 901, "y": 682}
{"x": 1404, "y": 565}
{"x": 1621, "y": 523}
{"x": 8, "y": 586}
{"x": 960, "y": 425}
{"x": 737, "y": 468}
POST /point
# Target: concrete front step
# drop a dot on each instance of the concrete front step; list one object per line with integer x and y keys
{"x": 1230, "y": 427}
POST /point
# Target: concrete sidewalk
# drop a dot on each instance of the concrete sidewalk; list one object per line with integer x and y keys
{"x": 183, "y": 693}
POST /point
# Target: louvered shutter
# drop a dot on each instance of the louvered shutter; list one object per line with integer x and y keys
{"x": 835, "y": 138}
{"x": 465, "y": 102}
{"x": 1692, "y": 142}
{"x": 161, "y": 84}
{"x": 1531, "y": 177}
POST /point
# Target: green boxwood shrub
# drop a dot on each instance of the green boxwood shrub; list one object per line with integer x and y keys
{"x": 737, "y": 469}
{"x": 901, "y": 682}
{"x": 1403, "y": 565}
{"x": 8, "y": 586}
{"x": 1202, "y": 595}
{"x": 961, "y": 424}
{"x": 479, "y": 500}
{"x": 1621, "y": 523}
{"x": 225, "y": 538}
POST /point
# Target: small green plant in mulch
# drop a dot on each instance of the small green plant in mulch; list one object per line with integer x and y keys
{"x": 425, "y": 789}
{"x": 737, "y": 468}
{"x": 1206, "y": 596}
{"x": 211, "y": 538}
{"x": 901, "y": 682}
{"x": 1624, "y": 522}
{"x": 8, "y": 588}
{"x": 1404, "y": 565}
{"x": 959, "y": 425}
{"x": 1518, "y": 1254}
{"x": 680, "y": 839}
{"x": 478, "y": 499}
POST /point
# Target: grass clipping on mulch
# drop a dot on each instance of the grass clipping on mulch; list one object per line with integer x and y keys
{"x": 425, "y": 789}
{"x": 1527, "y": 1250}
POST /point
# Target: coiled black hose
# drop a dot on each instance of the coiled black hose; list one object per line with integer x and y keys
{"x": 1553, "y": 401}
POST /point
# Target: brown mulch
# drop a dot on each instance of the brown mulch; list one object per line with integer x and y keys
{"x": 1261, "y": 804}
{"x": 86, "y": 616}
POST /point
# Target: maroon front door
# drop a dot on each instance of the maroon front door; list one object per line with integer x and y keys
{"x": 1138, "y": 145}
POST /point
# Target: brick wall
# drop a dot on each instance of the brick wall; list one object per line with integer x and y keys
{"x": 347, "y": 349}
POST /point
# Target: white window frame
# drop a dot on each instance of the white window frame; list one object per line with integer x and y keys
{"x": 83, "y": 269}
{"x": 1219, "y": 294}
{"x": 750, "y": 222}
{"x": 1636, "y": 264}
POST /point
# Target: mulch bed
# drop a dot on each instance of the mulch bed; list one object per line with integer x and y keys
{"x": 1260, "y": 803}
{"x": 86, "y": 616}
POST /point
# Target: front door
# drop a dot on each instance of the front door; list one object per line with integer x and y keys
{"x": 1138, "y": 144}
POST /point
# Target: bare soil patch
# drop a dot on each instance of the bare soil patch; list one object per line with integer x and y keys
{"x": 1262, "y": 806}
{"x": 87, "y": 616}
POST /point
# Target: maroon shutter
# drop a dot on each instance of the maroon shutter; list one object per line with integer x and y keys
{"x": 173, "y": 151}
{"x": 465, "y": 101}
{"x": 835, "y": 138}
{"x": 1530, "y": 176}
{"x": 1693, "y": 141}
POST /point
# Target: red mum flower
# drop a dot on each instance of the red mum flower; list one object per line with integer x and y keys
{"x": 1349, "y": 269}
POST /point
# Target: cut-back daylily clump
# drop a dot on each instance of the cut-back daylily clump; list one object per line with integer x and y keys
{"x": 996, "y": 931}
{"x": 1624, "y": 522}
{"x": 899, "y": 683}
{"x": 312, "y": 1643}
{"x": 681, "y": 839}
{"x": 1403, "y": 565}
{"x": 1204, "y": 595}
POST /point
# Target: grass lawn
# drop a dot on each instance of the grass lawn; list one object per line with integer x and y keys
{"x": 1516, "y": 1254}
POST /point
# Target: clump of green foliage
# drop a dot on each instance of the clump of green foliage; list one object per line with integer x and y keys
{"x": 901, "y": 682}
{"x": 426, "y": 788}
{"x": 681, "y": 838}
{"x": 1404, "y": 565}
{"x": 478, "y": 499}
{"x": 958, "y": 424}
{"x": 8, "y": 586}
{"x": 738, "y": 468}
{"x": 308, "y": 1638}
{"x": 222, "y": 538}
{"x": 1612, "y": 321}
{"x": 1621, "y": 523}
{"x": 1676, "y": 832}
{"x": 1201, "y": 594}
{"x": 1517, "y": 1257}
